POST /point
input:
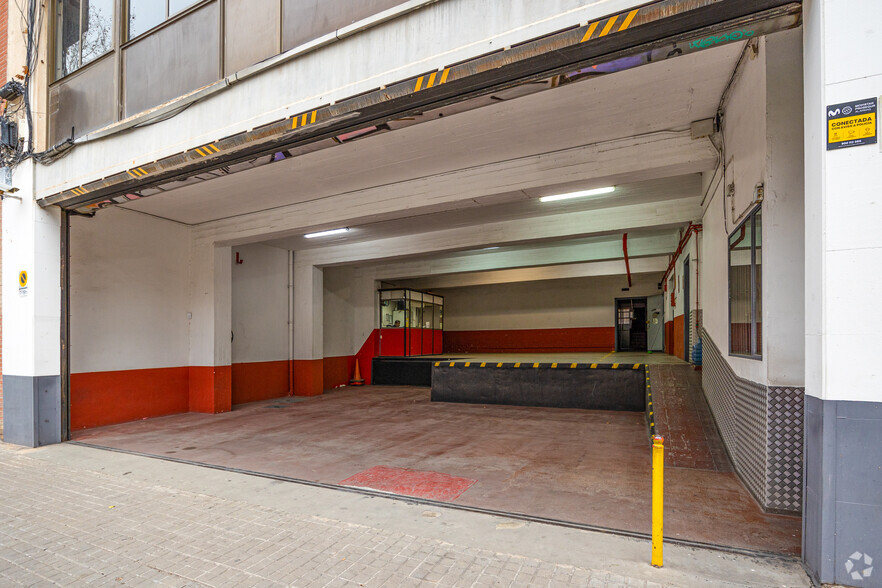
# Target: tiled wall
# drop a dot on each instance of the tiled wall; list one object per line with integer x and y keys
{"x": 762, "y": 430}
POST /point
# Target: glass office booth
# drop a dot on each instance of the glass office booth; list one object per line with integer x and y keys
{"x": 411, "y": 323}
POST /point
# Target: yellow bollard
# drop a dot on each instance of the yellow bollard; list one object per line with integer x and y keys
{"x": 658, "y": 497}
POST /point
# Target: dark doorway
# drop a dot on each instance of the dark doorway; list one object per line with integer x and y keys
{"x": 631, "y": 324}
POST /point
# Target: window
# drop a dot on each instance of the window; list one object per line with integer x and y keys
{"x": 84, "y": 32}
{"x": 745, "y": 288}
{"x": 146, "y": 14}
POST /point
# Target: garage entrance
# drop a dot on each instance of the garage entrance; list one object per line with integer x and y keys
{"x": 502, "y": 225}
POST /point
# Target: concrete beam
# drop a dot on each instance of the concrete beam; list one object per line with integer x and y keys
{"x": 595, "y": 249}
{"x": 621, "y": 161}
{"x": 579, "y": 224}
{"x": 530, "y": 274}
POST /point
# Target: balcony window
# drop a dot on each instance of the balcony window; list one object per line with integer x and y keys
{"x": 146, "y": 14}
{"x": 84, "y": 32}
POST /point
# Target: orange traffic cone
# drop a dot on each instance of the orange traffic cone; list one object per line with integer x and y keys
{"x": 356, "y": 380}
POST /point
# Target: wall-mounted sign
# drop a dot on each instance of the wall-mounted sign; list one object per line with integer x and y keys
{"x": 22, "y": 283}
{"x": 851, "y": 124}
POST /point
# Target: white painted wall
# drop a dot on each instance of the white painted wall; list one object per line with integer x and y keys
{"x": 259, "y": 304}
{"x": 762, "y": 151}
{"x": 134, "y": 278}
{"x": 744, "y": 132}
{"x": 31, "y": 323}
{"x": 129, "y": 294}
{"x": 210, "y": 304}
{"x": 715, "y": 272}
{"x": 550, "y": 304}
{"x": 784, "y": 213}
{"x": 339, "y": 312}
{"x": 350, "y": 308}
{"x": 308, "y": 310}
{"x": 842, "y": 236}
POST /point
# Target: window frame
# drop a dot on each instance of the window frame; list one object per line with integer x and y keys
{"x": 756, "y": 343}
{"x": 56, "y": 57}
{"x": 167, "y": 21}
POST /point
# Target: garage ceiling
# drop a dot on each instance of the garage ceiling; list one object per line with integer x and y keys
{"x": 668, "y": 95}
{"x": 510, "y": 206}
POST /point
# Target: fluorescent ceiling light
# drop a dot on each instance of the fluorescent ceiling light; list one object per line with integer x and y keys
{"x": 582, "y": 194}
{"x": 327, "y": 233}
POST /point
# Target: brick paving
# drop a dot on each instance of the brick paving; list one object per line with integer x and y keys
{"x": 74, "y": 527}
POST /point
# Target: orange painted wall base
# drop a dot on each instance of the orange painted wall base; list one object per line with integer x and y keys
{"x": 369, "y": 349}
{"x": 531, "y": 340}
{"x": 337, "y": 371}
{"x": 107, "y": 398}
{"x": 308, "y": 377}
{"x": 260, "y": 381}
{"x": 210, "y": 389}
{"x": 679, "y": 334}
{"x": 669, "y": 337}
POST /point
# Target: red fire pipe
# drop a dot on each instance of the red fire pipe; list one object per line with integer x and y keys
{"x": 627, "y": 262}
{"x": 693, "y": 228}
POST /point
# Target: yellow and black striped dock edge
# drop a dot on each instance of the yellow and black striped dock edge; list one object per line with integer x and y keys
{"x": 530, "y": 365}
{"x": 650, "y": 409}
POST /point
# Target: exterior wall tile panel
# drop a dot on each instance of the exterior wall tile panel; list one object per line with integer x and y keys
{"x": 785, "y": 449}
{"x": 761, "y": 428}
{"x": 750, "y": 428}
{"x": 695, "y": 318}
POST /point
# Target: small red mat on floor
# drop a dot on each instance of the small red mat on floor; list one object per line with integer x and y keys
{"x": 431, "y": 485}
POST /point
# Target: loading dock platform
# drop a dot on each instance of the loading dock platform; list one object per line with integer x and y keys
{"x": 592, "y": 386}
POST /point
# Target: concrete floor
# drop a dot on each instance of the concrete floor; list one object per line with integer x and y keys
{"x": 590, "y": 467}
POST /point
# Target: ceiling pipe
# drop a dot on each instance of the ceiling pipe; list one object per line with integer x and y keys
{"x": 693, "y": 228}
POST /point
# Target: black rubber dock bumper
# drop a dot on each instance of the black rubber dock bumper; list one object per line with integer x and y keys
{"x": 403, "y": 371}
{"x": 558, "y": 385}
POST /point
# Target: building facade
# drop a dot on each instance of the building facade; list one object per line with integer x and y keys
{"x": 4, "y": 32}
{"x": 177, "y": 160}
